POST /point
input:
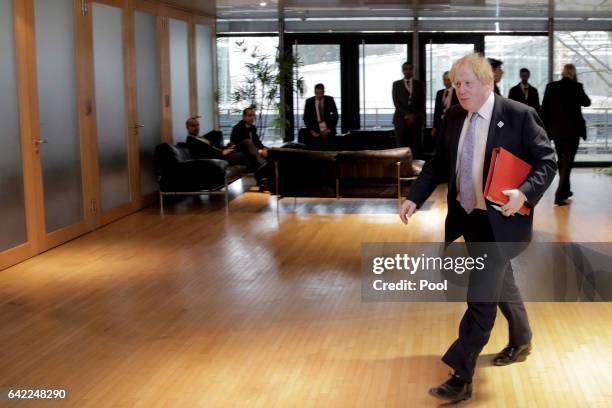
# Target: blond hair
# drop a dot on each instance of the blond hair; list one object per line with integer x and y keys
{"x": 478, "y": 64}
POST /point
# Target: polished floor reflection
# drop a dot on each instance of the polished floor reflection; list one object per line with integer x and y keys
{"x": 259, "y": 308}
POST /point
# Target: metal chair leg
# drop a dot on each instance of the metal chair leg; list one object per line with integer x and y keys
{"x": 161, "y": 203}
{"x": 226, "y": 192}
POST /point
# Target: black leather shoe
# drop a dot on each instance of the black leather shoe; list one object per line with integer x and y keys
{"x": 455, "y": 389}
{"x": 512, "y": 354}
{"x": 561, "y": 202}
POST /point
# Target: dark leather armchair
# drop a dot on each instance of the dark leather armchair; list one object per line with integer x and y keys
{"x": 179, "y": 174}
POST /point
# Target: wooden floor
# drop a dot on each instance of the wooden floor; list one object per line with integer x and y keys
{"x": 204, "y": 309}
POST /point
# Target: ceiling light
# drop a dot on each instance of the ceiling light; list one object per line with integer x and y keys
{"x": 263, "y": 4}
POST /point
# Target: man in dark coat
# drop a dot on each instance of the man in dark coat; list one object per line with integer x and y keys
{"x": 320, "y": 117}
{"x": 445, "y": 98}
{"x": 409, "y": 117}
{"x": 562, "y": 116}
{"x": 525, "y": 93}
{"x": 469, "y": 133}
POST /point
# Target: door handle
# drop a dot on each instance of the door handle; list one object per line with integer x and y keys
{"x": 38, "y": 142}
{"x": 138, "y": 125}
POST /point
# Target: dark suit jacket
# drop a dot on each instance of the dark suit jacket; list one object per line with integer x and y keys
{"x": 561, "y": 109}
{"x": 330, "y": 114}
{"x": 404, "y": 104}
{"x": 522, "y": 134}
{"x": 439, "y": 109}
{"x": 241, "y": 132}
{"x": 533, "y": 98}
{"x": 203, "y": 148}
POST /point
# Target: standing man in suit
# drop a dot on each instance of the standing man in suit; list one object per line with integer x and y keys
{"x": 525, "y": 93}
{"x": 498, "y": 73}
{"x": 469, "y": 133}
{"x": 409, "y": 116}
{"x": 562, "y": 116}
{"x": 320, "y": 117}
{"x": 445, "y": 98}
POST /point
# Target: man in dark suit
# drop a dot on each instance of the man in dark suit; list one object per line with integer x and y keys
{"x": 468, "y": 134}
{"x": 409, "y": 116}
{"x": 562, "y": 116}
{"x": 320, "y": 117}
{"x": 498, "y": 73}
{"x": 525, "y": 93}
{"x": 209, "y": 146}
{"x": 244, "y": 139}
{"x": 445, "y": 98}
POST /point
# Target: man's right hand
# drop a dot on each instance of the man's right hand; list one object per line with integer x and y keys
{"x": 408, "y": 208}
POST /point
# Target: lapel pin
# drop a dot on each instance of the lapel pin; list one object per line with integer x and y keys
{"x": 500, "y": 124}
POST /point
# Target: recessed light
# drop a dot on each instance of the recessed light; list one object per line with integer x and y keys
{"x": 263, "y": 4}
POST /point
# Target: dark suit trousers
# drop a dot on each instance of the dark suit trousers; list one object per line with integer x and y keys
{"x": 250, "y": 154}
{"x": 409, "y": 136}
{"x": 566, "y": 151}
{"x": 477, "y": 322}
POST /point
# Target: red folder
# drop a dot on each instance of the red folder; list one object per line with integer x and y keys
{"x": 506, "y": 172}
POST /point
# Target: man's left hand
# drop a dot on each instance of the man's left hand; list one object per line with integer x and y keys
{"x": 515, "y": 202}
{"x": 263, "y": 152}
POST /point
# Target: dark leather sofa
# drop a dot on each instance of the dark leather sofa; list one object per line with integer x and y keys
{"x": 371, "y": 139}
{"x": 180, "y": 174}
{"x": 364, "y": 173}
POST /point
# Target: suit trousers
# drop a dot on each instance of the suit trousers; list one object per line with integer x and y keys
{"x": 566, "y": 152}
{"x": 409, "y": 135}
{"x": 250, "y": 154}
{"x": 477, "y": 322}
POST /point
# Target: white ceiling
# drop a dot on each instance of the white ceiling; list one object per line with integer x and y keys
{"x": 250, "y": 9}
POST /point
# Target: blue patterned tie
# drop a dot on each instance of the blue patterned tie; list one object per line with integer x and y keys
{"x": 466, "y": 177}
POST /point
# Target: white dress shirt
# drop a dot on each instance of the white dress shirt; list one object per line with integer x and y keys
{"x": 480, "y": 146}
{"x": 447, "y": 98}
{"x": 408, "y": 86}
{"x": 320, "y": 108}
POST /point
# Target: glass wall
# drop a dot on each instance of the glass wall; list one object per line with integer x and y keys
{"x": 236, "y": 57}
{"x": 438, "y": 59}
{"x": 379, "y": 66}
{"x": 206, "y": 96}
{"x": 591, "y": 53}
{"x": 58, "y": 115}
{"x": 12, "y": 216}
{"x": 516, "y": 52}
{"x": 111, "y": 119}
{"x": 179, "y": 78}
{"x": 147, "y": 96}
{"x": 317, "y": 63}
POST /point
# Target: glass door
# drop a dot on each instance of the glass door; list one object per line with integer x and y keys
{"x": 205, "y": 76}
{"x": 148, "y": 90}
{"x": 318, "y": 63}
{"x": 180, "y": 98}
{"x": 14, "y": 239}
{"x": 439, "y": 58}
{"x": 112, "y": 135}
{"x": 379, "y": 66}
{"x": 60, "y": 144}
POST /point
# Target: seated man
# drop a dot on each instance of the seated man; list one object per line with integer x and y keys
{"x": 320, "y": 117}
{"x": 244, "y": 139}
{"x": 209, "y": 146}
